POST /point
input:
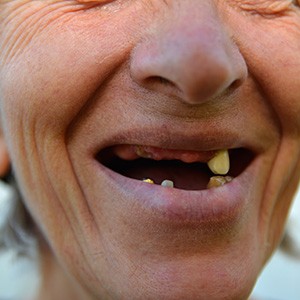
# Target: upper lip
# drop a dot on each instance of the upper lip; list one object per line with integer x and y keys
{"x": 160, "y": 137}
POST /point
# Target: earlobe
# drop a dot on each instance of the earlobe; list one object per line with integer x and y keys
{"x": 4, "y": 158}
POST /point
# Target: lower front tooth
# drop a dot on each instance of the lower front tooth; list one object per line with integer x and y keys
{"x": 217, "y": 181}
{"x": 167, "y": 183}
{"x": 148, "y": 180}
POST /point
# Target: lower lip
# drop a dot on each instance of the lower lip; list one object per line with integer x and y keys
{"x": 223, "y": 204}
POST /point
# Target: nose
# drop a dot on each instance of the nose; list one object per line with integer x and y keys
{"x": 189, "y": 54}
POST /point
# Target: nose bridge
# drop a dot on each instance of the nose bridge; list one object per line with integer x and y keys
{"x": 190, "y": 49}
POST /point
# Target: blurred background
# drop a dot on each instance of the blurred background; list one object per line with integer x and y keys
{"x": 280, "y": 279}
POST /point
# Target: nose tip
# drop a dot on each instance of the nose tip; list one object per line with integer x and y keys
{"x": 196, "y": 63}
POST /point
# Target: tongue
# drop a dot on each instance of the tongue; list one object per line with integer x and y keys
{"x": 131, "y": 152}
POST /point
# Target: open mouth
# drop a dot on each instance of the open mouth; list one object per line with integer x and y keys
{"x": 187, "y": 170}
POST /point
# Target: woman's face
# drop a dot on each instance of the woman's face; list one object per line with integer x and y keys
{"x": 86, "y": 85}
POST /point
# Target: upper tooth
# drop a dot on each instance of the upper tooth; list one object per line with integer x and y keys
{"x": 167, "y": 183}
{"x": 220, "y": 164}
{"x": 141, "y": 151}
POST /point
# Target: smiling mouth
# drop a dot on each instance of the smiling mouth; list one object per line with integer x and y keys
{"x": 182, "y": 169}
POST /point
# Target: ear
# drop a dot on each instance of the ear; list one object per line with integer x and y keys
{"x": 4, "y": 158}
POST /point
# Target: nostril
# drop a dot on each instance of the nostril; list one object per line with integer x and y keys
{"x": 152, "y": 80}
{"x": 235, "y": 84}
{"x": 161, "y": 84}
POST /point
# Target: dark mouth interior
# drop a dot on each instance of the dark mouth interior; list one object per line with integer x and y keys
{"x": 186, "y": 176}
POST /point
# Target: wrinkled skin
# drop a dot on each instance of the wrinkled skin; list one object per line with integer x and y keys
{"x": 76, "y": 76}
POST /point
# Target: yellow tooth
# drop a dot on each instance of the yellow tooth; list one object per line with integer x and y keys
{"x": 217, "y": 181}
{"x": 220, "y": 163}
{"x": 168, "y": 183}
{"x": 148, "y": 180}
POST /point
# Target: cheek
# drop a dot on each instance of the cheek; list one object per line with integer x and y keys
{"x": 51, "y": 78}
{"x": 51, "y": 85}
{"x": 43, "y": 90}
{"x": 275, "y": 64}
{"x": 272, "y": 52}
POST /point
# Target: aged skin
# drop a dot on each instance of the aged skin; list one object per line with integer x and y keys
{"x": 82, "y": 80}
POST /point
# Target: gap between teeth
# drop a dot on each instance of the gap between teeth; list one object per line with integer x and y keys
{"x": 219, "y": 165}
{"x": 214, "y": 181}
